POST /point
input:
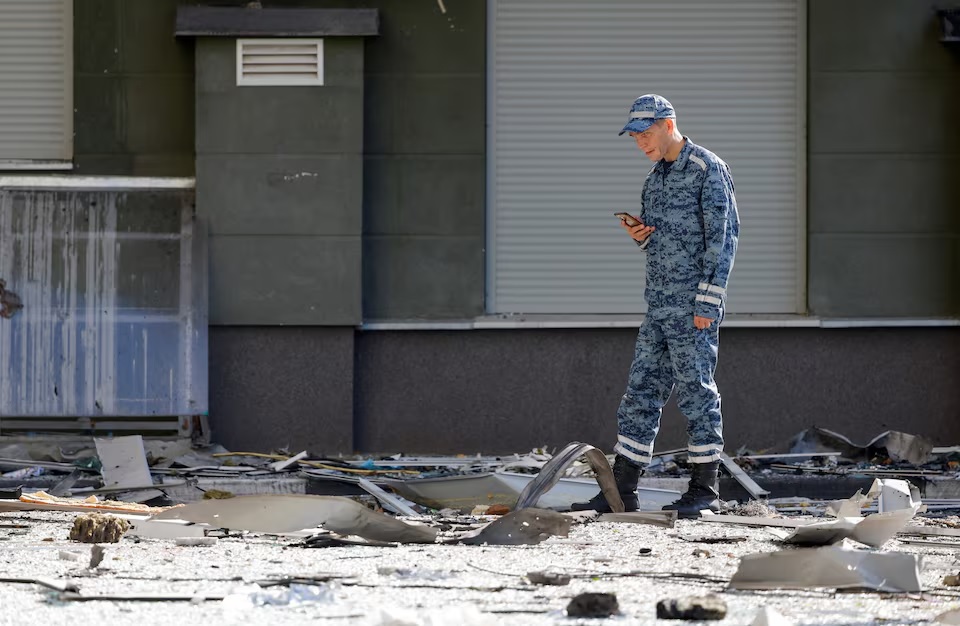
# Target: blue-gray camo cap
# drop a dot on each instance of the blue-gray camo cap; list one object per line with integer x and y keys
{"x": 646, "y": 110}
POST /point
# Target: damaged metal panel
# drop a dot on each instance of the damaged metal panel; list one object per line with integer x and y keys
{"x": 839, "y": 568}
{"x": 112, "y": 284}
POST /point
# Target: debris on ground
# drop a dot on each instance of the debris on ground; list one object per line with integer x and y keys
{"x": 753, "y": 508}
{"x": 123, "y": 465}
{"x": 285, "y": 514}
{"x": 831, "y": 567}
{"x": 770, "y": 617}
{"x": 873, "y": 530}
{"x": 548, "y": 578}
{"x": 713, "y": 540}
{"x": 243, "y": 599}
{"x": 196, "y": 541}
{"x": 98, "y": 528}
{"x": 748, "y": 484}
{"x": 42, "y": 501}
{"x": 146, "y": 528}
{"x": 523, "y": 527}
{"x": 460, "y": 615}
{"x": 593, "y": 605}
{"x": 469, "y": 527}
{"x": 96, "y": 556}
{"x": 464, "y": 482}
{"x": 216, "y": 494}
{"x": 553, "y": 470}
{"x": 664, "y": 519}
{"x": 69, "y": 555}
{"x": 697, "y": 608}
{"x": 389, "y": 501}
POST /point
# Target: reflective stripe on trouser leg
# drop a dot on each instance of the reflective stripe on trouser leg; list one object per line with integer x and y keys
{"x": 694, "y": 359}
{"x": 648, "y": 389}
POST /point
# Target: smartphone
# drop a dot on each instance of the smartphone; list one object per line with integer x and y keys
{"x": 629, "y": 219}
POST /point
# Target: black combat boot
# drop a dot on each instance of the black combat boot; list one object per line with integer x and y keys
{"x": 626, "y": 474}
{"x": 702, "y": 493}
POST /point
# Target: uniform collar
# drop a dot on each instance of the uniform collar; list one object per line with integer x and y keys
{"x": 683, "y": 157}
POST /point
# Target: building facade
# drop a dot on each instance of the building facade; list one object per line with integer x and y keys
{"x": 412, "y": 248}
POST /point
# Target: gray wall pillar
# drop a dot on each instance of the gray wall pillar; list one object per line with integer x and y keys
{"x": 279, "y": 180}
{"x": 425, "y": 158}
{"x": 884, "y": 159}
{"x": 280, "y": 185}
{"x": 133, "y": 90}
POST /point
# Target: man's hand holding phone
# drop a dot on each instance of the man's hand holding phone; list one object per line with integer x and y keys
{"x": 634, "y": 227}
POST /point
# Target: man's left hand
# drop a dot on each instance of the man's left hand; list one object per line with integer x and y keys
{"x": 701, "y": 322}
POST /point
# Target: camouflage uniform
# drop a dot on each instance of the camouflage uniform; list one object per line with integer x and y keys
{"x": 690, "y": 254}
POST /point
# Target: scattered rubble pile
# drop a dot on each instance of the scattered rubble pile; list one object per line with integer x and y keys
{"x": 130, "y": 490}
{"x": 137, "y": 470}
{"x": 821, "y": 451}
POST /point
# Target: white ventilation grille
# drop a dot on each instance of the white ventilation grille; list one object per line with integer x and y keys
{"x": 279, "y": 61}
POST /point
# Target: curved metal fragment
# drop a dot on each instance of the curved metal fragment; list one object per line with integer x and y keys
{"x": 553, "y": 471}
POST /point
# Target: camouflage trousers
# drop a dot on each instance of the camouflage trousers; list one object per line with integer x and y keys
{"x": 671, "y": 353}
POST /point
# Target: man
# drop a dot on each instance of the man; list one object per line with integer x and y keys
{"x": 689, "y": 228}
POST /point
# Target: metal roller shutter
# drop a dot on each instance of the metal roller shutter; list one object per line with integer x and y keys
{"x": 563, "y": 74}
{"x": 36, "y": 80}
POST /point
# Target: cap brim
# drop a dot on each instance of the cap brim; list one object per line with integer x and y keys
{"x": 638, "y": 125}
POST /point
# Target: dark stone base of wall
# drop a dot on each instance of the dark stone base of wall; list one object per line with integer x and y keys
{"x": 436, "y": 392}
{"x": 289, "y": 387}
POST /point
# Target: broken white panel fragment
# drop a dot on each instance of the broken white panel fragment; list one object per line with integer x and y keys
{"x": 879, "y": 528}
{"x": 770, "y": 617}
{"x": 892, "y": 495}
{"x": 242, "y": 599}
{"x": 665, "y": 519}
{"x": 818, "y": 533}
{"x": 850, "y": 507}
{"x": 463, "y": 615}
{"x": 464, "y": 492}
{"x": 124, "y": 464}
{"x": 279, "y": 466}
{"x": 873, "y": 530}
{"x": 569, "y": 490}
{"x": 392, "y": 502}
{"x": 950, "y": 617}
{"x": 196, "y": 541}
{"x": 832, "y": 567}
{"x": 289, "y": 514}
{"x": 896, "y": 495}
{"x": 739, "y": 520}
{"x": 147, "y": 528}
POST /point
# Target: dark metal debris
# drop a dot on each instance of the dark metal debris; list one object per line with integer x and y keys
{"x": 692, "y": 608}
{"x": 551, "y": 473}
{"x": 548, "y": 578}
{"x": 593, "y": 605}
{"x": 523, "y": 527}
